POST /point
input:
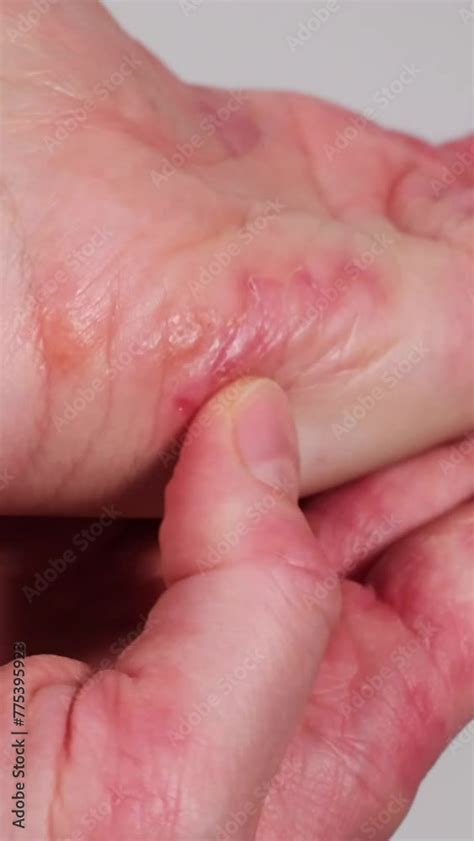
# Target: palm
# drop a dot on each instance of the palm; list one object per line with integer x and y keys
{"x": 262, "y": 251}
{"x": 394, "y": 686}
{"x": 129, "y": 298}
{"x": 379, "y": 718}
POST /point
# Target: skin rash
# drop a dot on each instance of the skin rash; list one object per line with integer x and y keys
{"x": 234, "y": 244}
{"x": 176, "y": 238}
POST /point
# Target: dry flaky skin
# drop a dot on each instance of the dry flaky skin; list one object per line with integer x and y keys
{"x": 347, "y": 276}
{"x": 135, "y": 752}
{"x": 136, "y": 281}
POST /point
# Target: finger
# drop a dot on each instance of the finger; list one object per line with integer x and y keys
{"x": 427, "y": 580}
{"x": 386, "y": 351}
{"x": 217, "y": 683}
{"x": 356, "y": 522}
{"x": 320, "y": 280}
{"x": 429, "y": 576}
{"x": 394, "y": 689}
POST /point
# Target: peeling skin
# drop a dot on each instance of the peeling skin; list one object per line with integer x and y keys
{"x": 269, "y": 320}
{"x": 135, "y": 328}
{"x": 137, "y": 341}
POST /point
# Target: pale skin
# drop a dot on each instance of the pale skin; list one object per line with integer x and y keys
{"x": 344, "y": 276}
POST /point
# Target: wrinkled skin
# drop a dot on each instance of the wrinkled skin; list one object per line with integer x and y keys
{"x": 142, "y": 291}
{"x": 115, "y": 749}
{"x": 112, "y": 340}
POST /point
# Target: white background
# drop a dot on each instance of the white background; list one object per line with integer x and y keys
{"x": 359, "y": 49}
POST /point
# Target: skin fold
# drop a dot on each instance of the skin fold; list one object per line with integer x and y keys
{"x": 167, "y": 239}
{"x": 213, "y": 724}
{"x": 268, "y": 669}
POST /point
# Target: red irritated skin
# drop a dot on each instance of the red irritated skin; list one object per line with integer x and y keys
{"x": 167, "y": 239}
{"x": 264, "y": 699}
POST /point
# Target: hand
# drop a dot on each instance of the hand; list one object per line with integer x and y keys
{"x": 163, "y": 239}
{"x": 214, "y": 723}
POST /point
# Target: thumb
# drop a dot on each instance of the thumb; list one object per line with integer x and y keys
{"x": 233, "y": 646}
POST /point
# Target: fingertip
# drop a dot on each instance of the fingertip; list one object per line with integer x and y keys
{"x": 237, "y": 477}
{"x": 265, "y": 436}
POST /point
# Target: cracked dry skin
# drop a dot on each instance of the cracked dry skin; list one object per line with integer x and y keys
{"x": 137, "y": 282}
{"x": 111, "y": 291}
{"x": 395, "y": 685}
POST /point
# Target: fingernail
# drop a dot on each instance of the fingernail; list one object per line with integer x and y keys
{"x": 266, "y": 436}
